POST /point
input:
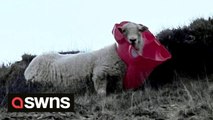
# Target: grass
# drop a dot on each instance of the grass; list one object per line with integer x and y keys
{"x": 183, "y": 99}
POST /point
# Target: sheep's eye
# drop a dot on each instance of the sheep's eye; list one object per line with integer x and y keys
{"x": 123, "y": 31}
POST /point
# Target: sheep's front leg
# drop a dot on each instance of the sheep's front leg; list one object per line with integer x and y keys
{"x": 100, "y": 81}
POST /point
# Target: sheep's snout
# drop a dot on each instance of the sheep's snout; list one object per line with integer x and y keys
{"x": 133, "y": 36}
{"x": 132, "y": 32}
{"x": 133, "y": 40}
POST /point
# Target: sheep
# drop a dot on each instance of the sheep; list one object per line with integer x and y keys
{"x": 98, "y": 71}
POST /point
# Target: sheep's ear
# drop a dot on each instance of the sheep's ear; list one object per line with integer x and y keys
{"x": 121, "y": 30}
{"x": 142, "y": 28}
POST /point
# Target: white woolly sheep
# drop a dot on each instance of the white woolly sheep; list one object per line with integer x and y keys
{"x": 98, "y": 70}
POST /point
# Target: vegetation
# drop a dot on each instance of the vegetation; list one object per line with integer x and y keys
{"x": 192, "y": 52}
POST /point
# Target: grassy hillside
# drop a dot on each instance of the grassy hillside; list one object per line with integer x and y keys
{"x": 181, "y": 88}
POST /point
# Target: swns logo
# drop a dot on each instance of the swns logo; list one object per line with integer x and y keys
{"x": 40, "y": 102}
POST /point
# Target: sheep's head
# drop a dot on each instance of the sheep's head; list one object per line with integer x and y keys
{"x": 132, "y": 32}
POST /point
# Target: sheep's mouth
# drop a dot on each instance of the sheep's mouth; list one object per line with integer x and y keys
{"x": 134, "y": 46}
{"x": 132, "y": 43}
